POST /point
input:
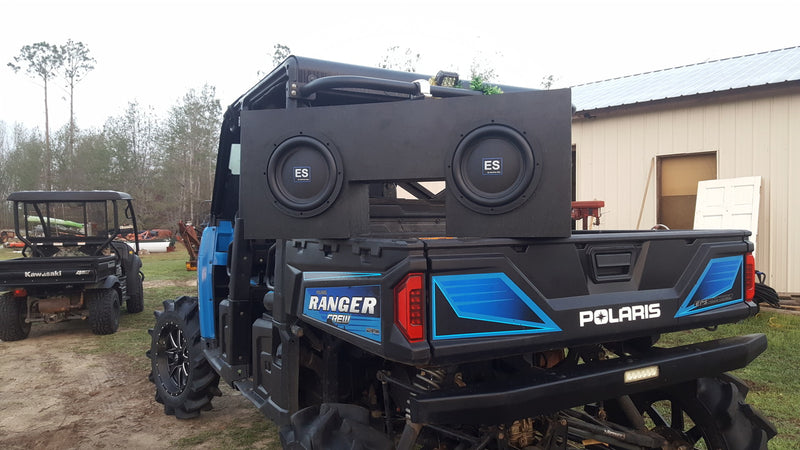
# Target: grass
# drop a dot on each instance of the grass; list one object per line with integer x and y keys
{"x": 774, "y": 385}
{"x": 258, "y": 433}
{"x": 132, "y": 339}
{"x": 772, "y": 377}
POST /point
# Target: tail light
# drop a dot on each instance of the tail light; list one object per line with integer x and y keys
{"x": 749, "y": 277}
{"x": 409, "y": 307}
{"x": 20, "y": 292}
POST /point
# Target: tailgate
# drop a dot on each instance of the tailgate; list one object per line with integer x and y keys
{"x": 50, "y": 271}
{"x": 490, "y": 297}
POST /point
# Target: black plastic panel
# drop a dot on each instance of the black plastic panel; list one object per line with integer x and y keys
{"x": 417, "y": 140}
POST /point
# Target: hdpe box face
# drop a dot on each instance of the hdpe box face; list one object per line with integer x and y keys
{"x": 505, "y": 159}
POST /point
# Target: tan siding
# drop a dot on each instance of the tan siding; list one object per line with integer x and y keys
{"x": 757, "y": 136}
{"x": 793, "y": 200}
{"x": 760, "y": 162}
{"x": 727, "y": 141}
{"x": 743, "y": 165}
{"x": 696, "y": 130}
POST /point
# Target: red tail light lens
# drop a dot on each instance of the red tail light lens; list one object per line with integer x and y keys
{"x": 409, "y": 307}
{"x": 749, "y": 277}
{"x": 21, "y": 292}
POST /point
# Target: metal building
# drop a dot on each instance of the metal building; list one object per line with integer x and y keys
{"x": 641, "y": 144}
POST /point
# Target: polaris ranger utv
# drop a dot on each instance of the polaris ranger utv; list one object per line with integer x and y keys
{"x": 73, "y": 267}
{"x": 357, "y": 306}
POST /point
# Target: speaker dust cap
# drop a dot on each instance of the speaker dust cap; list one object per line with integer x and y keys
{"x": 494, "y": 169}
{"x": 304, "y": 176}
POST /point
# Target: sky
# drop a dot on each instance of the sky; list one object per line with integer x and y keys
{"x": 154, "y": 52}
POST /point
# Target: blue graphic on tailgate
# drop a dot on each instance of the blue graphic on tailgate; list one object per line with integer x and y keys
{"x": 486, "y": 304}
{"x": 355, "y": 309}
{"x": 719, "y": 285}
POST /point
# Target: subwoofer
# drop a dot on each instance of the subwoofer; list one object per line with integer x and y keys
{"x": 304, "y": 176}
{"x": 494, "y": 169}
{"x": 505, "y": 160}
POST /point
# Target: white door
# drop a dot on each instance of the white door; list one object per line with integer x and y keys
{"x": 728, "y": 204}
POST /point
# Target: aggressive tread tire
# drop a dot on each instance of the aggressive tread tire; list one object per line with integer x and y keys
{"x": 12, "y": 319}
{"x": 135, "y": 302}
{"x": 184, "y": 380}
{"x": 332, "y": 426}
{"x": 709, "y": 410}
{"x": 104, "y": 307}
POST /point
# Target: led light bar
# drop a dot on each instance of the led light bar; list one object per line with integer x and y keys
{"x": 645, "y": 373}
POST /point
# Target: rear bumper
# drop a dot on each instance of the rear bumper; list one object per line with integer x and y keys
{"x": 554, "y": 389}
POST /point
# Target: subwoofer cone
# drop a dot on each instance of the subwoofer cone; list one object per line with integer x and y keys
{"x": 304, "y": 176}
{"x": 494, "y": 169}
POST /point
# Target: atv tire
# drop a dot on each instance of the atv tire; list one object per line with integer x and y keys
{"x": 104, "y": 307}
{"x": 709, "y": 411}
{"x": 135, "y": 302}
{"x": 185, "y": 382}
{"x": 332, "y": 426}
{"x": 12, "y": 319}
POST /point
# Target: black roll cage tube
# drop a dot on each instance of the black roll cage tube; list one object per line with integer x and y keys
{"x": 359, "y": 82}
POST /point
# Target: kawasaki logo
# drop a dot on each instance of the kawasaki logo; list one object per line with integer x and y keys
{"x": 617, "y": 315}
{"x": 54, "y": 273}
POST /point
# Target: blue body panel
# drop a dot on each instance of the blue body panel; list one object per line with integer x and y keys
{"x": 719, "y": 285}
{"x": 489, "y": 298}
{"x": 213, "y": 252}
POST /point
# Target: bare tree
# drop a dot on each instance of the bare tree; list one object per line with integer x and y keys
{"x": 548, "y": 82}
{"x": 400, "y": 59}
{"x": 41, "y": 60}
{"x": 190, "y": 143}
{"x": 280, "y": 53}
{"x": 76, "y": 64}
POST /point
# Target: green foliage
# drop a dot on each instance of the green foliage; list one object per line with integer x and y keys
{"x": 76, "y": 62}
{"x": 40, "y": 60}
{"x": 774, "y": 388}
{"x": 190, "y": 144}
{"x": 24, "y": 166}
{"x": 167, "y": 166}
{"x": 478, "y": 84}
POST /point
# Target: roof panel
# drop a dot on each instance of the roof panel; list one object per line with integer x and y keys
{"x": 776, "y": 66}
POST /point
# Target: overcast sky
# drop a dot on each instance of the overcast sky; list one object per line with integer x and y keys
{"x": 154, "y": 51}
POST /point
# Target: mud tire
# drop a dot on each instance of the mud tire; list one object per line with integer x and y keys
{"x": 332, "y": 426}
{"x": 104, "y": 310}
{"x": 135, "y": 302}
{"x": 184, "y": 380}
{"x": 12, "y": 319}
{"x": 707, "y": 410}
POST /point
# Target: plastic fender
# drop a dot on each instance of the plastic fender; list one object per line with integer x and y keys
{"x": 109, "y": 282}
{"x": 213, "y": 252}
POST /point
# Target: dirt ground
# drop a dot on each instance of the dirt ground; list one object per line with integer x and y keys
{"x": 54, "y": 398}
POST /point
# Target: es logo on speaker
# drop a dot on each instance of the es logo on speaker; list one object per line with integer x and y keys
{"x": 492, "y": 166}
{"x": 302, "y": 174}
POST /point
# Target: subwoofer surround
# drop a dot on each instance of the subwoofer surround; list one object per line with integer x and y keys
{"x": 304, "y": 176}
{"x": 494, "y": 169}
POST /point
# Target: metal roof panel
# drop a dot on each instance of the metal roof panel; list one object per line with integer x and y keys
{"x": 758, "y": 69}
